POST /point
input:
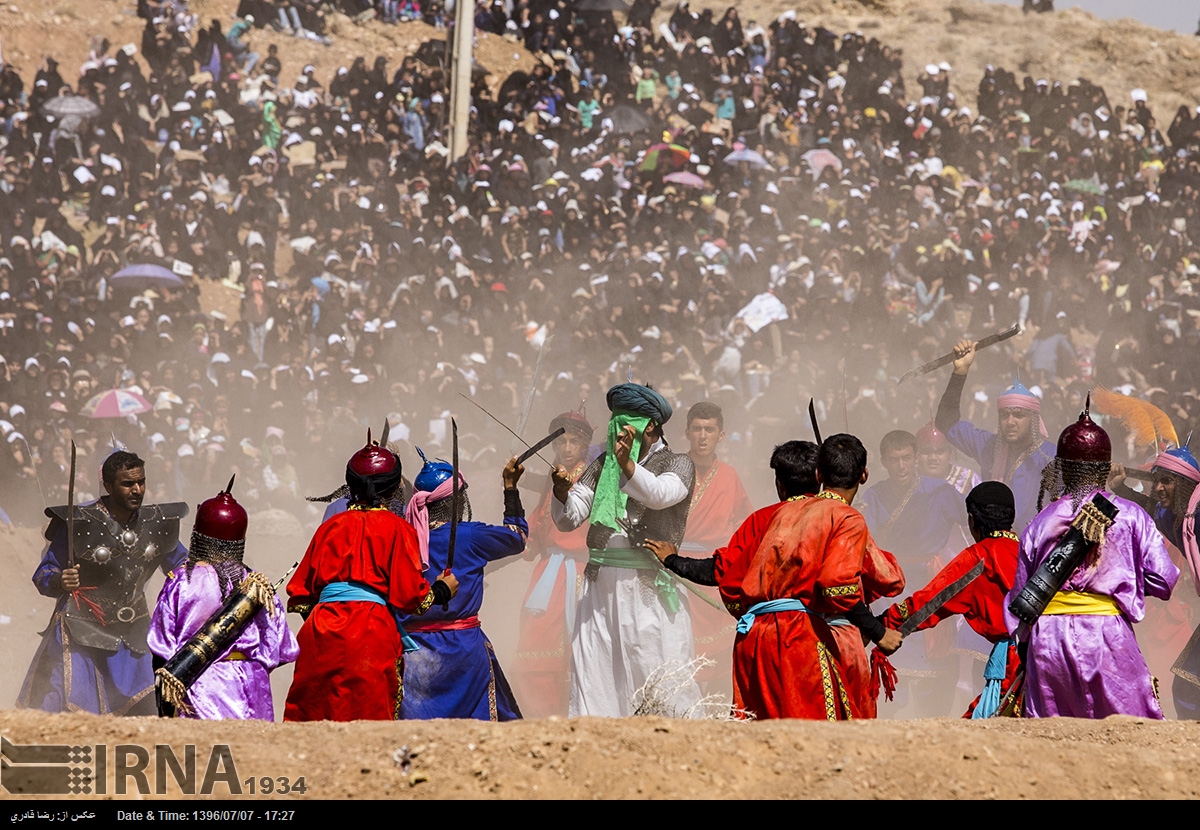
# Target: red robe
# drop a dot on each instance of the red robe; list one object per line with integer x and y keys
{"x": 793, "y": 664}
{"x": 541, "y": 672}
{"x": 719, "y": 504}
{"x": 351, "y": 658}
{"x": 981, "y": 602}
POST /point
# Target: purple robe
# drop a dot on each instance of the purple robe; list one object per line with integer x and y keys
{"x": 1090, "y": 666}
{"x": 237, "y": 689}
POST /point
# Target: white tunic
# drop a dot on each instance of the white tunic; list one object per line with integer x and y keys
{"x": 623, "y": 633}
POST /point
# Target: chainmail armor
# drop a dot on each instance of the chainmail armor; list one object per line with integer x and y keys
{"x": 667, "y": 525}
{"x": 225, "y": 556}
{"x": 1077, "y": 479}
{"x": 439, "y": 511}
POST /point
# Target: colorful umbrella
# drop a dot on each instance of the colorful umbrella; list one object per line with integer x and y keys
{"x": 115, "y": 403}
{"x": 685, "y": 178}
{"x": 671, "y": 156}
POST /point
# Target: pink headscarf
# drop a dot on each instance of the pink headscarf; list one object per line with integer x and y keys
{"x": 1177, "y": 466}
{"x": 417, "y": 512}
{"x": 1016, "y": 397}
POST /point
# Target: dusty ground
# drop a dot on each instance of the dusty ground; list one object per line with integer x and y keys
{"x": 656, "y": 758}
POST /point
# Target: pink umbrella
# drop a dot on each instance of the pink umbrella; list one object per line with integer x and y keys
{"x": 685, "y": 178}
{"x": 116, "y": 403}
{"x": 819, "y": 159}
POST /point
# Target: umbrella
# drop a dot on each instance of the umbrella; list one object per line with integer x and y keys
{"x": 751, "y": 157}
{"x": 1084, "y": 186}
{"x": 601, "y": 6}
{"x": 115, "y": 403}
{"x": 685, "y": 178}
{"x": 666, "y": 155}
{"x": 141, "y": 277}
{"x": 65, "y": 105}
{"x": 819, "y": 159}
{"x": 627, "y": 119}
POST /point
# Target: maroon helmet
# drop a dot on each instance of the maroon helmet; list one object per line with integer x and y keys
{"x": 373, "y": 472}
{"x": 220, "y": 530}
{"x": 574, "y": 421}
{"x": 929, "y": 437}
{"x": 1085, "y": 440}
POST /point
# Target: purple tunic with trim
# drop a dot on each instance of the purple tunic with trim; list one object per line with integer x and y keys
{"x": 236, "y": 689}
{"x": 1090, "y": 666}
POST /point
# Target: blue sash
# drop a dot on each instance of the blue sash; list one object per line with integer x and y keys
{"x": 356, "y": 592}
{"x": 774, "y": 606}
{"x": 993, "y": 676}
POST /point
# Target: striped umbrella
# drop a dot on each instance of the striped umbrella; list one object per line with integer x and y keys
{"x": 115, "y": 403}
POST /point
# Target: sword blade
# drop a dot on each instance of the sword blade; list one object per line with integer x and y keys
{"x": 812, "y": 417}
{"x": 545, "y": 442}
{"x": 531, "y": 394}
{"x": 501, "y": 423}
{"x": 937, "y": 363}
{"x": 940, "y": 598}
{"x": 453, "y": 496}
{"x": 71, "y": 511}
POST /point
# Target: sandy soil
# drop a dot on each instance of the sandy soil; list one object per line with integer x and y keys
{"x": 657, "y": 758}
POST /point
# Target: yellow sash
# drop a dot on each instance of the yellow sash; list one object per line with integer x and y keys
{"x": 1081, "y": 602}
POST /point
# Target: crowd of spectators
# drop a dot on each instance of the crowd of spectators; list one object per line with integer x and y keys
{"x": 746, "y": 212}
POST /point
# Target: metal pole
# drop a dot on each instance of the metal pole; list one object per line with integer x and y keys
{"x": 460, "y": 84}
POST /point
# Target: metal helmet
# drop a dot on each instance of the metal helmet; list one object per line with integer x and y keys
{"x": 574, "y": 421}
{"x": 221, "y": 517}
{"x": 929, "y": 437}
{"x": 1085, "y": 440}
{"x": 433, "y": 473}
{"x": 373, "y": 460}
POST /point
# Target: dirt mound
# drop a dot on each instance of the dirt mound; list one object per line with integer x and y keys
{"x": 1119, "y": 54}
{"x": 62, "y": 30}
{"x": 653, "y": 757}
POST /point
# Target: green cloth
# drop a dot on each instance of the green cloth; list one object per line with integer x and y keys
{"x": 640, "y": 559}
{"x": 272, "y": 130}
{"x": 608, "y": 504}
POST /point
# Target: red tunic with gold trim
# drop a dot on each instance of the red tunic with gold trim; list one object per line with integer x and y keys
{"x": 351, "y": 661}
{"x": 541, "y": 672}
{"x": 719, "y": 504}
{"x": 794, "y": 664}
{"x": 981, "y": 601}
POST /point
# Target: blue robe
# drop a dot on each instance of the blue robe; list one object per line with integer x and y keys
{"x": 454, "y": 674}
{"x": 99, "y": 681}
{"x": 981, "y": 445}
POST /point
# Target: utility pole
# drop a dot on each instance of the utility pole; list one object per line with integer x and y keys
{"x": 460, "y": 77}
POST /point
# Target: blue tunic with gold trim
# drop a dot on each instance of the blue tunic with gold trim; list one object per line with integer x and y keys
{"x": 455, "y": 673}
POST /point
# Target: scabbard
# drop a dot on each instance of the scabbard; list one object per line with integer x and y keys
{"x": 1085, "y": 532}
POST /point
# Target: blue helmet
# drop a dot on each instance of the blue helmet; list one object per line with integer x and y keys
{"x": 432, "y": 474}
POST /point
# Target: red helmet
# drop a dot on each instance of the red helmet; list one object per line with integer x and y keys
{"x": 929, "y": 437}
{"x": 574, "y": 421}
{"x": 221, "y": 517}
{"x": 373, "y": 459}
{"x": 1085, "y": 440}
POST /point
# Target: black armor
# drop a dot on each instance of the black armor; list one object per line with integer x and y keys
{"x": 667, "y": 525}
{"x": 114, "y": 564}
